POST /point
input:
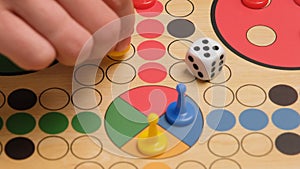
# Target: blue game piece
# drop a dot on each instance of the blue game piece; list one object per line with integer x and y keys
{"x": 178, "y": 113}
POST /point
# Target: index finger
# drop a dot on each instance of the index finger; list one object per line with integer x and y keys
{"x": 124, "y": 9}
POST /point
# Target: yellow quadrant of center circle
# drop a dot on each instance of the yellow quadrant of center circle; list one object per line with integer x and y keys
{"x": 175, "y": 146}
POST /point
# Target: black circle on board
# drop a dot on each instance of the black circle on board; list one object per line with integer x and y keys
{"x": 22, "y": 99}
{"x": 19, "y": 148}
{"x": 96, "y": 83}
{"x": 188, "y": 14}
{"x": 288, "y": 143}
{"x": 58, "y": 108}
{"x": 175, "y": 41}
{"x": 4, "y": 99}
{"x": 283, "y": 95}
{"x": 181, "y": 28}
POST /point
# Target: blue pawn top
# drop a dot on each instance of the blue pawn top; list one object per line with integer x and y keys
{"x": 179, "y": 113}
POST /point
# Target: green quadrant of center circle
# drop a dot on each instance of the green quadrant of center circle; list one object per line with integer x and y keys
{"x": 20, "y": 123}
{"x": 123, "y": 122}
{"x": 53, "y": 123}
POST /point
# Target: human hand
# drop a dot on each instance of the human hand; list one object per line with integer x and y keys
{"x": 33, "y": 33}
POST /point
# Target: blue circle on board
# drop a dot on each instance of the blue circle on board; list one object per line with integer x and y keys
{"x": 286, "y": 119}
{"x": 221, "y": 120}
{"x": 253, "y": 119}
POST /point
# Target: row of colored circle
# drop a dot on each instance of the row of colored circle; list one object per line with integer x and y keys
{"x": 84, "y": 147}
{"x": 250, "y": 95}
{"x": 254, "y": 144}
{"x": 52, "y": 123}
{"x": 253, "y": 119}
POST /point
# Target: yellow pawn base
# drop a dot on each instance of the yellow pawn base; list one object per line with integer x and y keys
{"x": 152, "y": 146}
{"x": 115, "y": 54}
{"x": 152, "y": 142}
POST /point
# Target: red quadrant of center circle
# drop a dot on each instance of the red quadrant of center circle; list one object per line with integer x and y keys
{"x": 150, "y": 99}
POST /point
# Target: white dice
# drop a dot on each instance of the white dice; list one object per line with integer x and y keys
{"x": 205, "y": 58}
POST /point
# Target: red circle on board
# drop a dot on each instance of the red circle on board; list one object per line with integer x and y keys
{"x": 232, "y": 29}
{"x": 151, "y": 50}
{"x": 153, "y": 11}
{"x": 152, "y": 72}
{"x": 150, "y": 28}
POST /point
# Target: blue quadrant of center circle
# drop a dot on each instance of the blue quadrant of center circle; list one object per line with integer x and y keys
{"x": 286, "y": 119}
{"x": 187, "y": 134}
{"x": 220, "y": 120}
{"x": 253, "y": 119}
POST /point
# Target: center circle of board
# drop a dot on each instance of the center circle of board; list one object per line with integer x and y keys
{"x": 123, "y": 129}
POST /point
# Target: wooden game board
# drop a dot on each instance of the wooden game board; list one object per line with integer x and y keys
{"x": 248, "y": 117}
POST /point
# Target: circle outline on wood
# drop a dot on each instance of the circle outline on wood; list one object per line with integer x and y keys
{"x": 183, "y": 16}
{"x": 218, "y": 155}
{"x": 54, "y": 109}
{"x": 251, "y": 154}
{"x": 252, "y": 85}
{"x": 96, "y": 83}
{"x": 50, "y": 159}
{"x": 89, "y": 158}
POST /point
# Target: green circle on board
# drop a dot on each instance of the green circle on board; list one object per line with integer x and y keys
{"x": 53, "y": 123}
{"x": 86, "y": 122}
{"x": 7, "y": 67}
{"x": 1, "y": 123}
{"x": 20, "y": 123}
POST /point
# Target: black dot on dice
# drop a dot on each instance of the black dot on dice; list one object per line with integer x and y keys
{"x": 220, "y": 69}
{"x": 221, "y": 57}
{"x": 206, "y": 48}
{"x": 214, "y": 63}
{"x": 200, "y": 74}
{"x": 205, "y": 41}
{"x": 207, "y": 55}
{"x": 213, "y": 69}
{"x": 221, "y": 63}
{"x": 215, "y": 48}
{"x": 212, "y": 75}
{"x": 195, "y": 66}
{"x": 196, "y": 48}
{"x": 191, "y": 59}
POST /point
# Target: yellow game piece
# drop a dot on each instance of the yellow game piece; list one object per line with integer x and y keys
{"x": 114, "y": 54}
{"x": 151, "y": 142}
